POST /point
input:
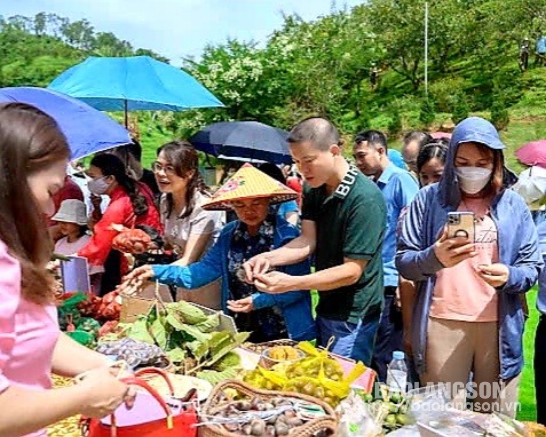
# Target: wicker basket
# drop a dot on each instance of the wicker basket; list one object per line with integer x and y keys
{"x": 327, "y": 423}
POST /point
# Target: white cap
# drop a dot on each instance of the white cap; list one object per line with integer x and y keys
{"x": 72, "y": 211}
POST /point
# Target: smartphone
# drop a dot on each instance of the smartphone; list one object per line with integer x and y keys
{"x": 460, "y": 224}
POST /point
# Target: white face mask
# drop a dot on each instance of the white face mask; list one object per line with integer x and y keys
{"x": 473, "y": 179}
{"x": 98, "y": 186}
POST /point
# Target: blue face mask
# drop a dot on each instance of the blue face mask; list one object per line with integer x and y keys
{"x": 473, "y": 179}
{"x": 98, "y": 186}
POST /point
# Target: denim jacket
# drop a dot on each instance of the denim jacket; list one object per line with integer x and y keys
{"x": 295, "y": 305}
{"x": 518, "y": 249}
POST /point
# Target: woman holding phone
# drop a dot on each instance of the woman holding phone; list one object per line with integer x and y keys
{"x": 468, "y": 315}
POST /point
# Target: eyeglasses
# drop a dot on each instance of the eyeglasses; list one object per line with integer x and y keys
{"x": 169, "y": 170}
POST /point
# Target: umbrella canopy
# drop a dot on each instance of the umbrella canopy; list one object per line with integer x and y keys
{"x": 533, "y": 153}
{"x": 244, "y": 141}
{"x": 134, "y": 83}
{"x": 87, "y": 130}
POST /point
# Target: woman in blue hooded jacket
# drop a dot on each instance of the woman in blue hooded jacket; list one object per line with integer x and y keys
{"x": 468, "y": 315}
{"x": 249, "y": 192}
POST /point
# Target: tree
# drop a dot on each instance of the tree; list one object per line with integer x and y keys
{"x": 427, "y": 113}
{"x": 395, "y": 124}
{"x": 78, "y": 34}
{"x": 460, "y": 108}
{"x": 40, "y": 23}
{"x": 500, "y": 117}
{"x": 399, "y": 26}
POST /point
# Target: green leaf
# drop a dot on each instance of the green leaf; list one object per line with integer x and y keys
{"x": 192, "y": 331}
{"x": 218, "y": 340}
{"x": 229, "y": 361}
{"x": 214, "y": 377}
{"x": 139, "y": 331}
{"x": 159, "y": 333}
{"x": 198, "y": 349}
{"x": 187, "y": 312}
{"x": 227, "y": 346}
{"x": 176, "y": 355}
{"x": 209, "y": 325}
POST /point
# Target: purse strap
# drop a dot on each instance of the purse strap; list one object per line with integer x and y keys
{"x": 143, "y": 384}
{"x": 158, "y": 372}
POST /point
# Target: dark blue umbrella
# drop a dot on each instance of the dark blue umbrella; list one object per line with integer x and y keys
{"x": 87, "y": 130}
{"x": 244, "y": 141}
{"x": 134, "y": 83}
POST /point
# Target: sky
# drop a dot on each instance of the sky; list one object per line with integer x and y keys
{"x": 178, "y": 28}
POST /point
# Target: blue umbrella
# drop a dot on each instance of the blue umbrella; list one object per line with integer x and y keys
{"x": 87, "y": 130}
{"x": 244, "y": 141}
{"x": 135, "y": 83}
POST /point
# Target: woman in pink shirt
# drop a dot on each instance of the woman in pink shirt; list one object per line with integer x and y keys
{"x": 33, "y": 159}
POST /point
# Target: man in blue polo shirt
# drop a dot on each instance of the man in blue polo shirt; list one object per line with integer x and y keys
{"x": 398, "y": 188}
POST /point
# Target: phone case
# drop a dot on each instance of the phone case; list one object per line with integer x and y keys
{"x": 461, "y": 224}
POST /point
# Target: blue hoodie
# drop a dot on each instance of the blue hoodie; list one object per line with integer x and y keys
{"x": 517, "y": 242}
{"x": 295, "y": 306}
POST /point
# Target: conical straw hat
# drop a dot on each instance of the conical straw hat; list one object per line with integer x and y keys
{"x": 249, "y": 182}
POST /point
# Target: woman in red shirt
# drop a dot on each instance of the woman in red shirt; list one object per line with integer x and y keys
{"x": 131, "y": 204}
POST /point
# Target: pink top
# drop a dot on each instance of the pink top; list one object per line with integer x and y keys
{"x": 459, "y": 293}
{"x": 28, "y": 332}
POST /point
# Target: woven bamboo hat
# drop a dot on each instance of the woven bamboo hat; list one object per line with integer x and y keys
{"x": 248, "y": 183}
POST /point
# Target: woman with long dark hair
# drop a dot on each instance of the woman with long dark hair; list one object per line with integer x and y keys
{"x": 33, "y": 159}
{"x": 131, "y": 204}
{"x": 189, "y": 229}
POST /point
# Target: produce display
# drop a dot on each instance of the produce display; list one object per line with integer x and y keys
{"x": 390, "y": 410}
{"x": 240, "y": 411}
{"x": 134, "y": 241}
{"x": 69, "y": 427}
{"x": 317, "y": 375}
{"x": 304, "y": 383}
{"x": 189, "y": 338}
{"x": 136, "y": 353}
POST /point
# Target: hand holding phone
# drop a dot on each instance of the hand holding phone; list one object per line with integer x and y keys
{"x": 451, "y": 250}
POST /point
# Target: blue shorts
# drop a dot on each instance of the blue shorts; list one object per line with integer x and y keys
{"x": 351, "y": 340}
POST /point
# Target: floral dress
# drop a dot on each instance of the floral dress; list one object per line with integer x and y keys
{"x": 266, "y": 324}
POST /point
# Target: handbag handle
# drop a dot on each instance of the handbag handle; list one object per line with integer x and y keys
{"x": 143, "y": 384}
{"x": 158, "y": 372}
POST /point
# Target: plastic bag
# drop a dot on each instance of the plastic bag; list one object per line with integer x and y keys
{"x": 357, "y": 420}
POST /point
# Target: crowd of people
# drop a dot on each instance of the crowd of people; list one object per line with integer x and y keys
{"x": 368, "y": 234}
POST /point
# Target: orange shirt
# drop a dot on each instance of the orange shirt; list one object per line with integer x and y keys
{"x": 459, "y": 293}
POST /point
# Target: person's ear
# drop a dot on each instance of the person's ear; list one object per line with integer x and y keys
{"x": 190, "y": 174}
{"x": 335, "y": 149}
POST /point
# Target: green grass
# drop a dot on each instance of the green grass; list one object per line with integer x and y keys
{"x": 527, "y": 384}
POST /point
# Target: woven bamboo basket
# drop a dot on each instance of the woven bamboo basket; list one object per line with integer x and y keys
{"x": 326, "y": 425}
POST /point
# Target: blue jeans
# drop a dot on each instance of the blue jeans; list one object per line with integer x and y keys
{"x": 352, "y": 340}
{"x": 390, "y": 335}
